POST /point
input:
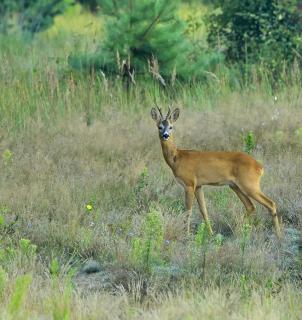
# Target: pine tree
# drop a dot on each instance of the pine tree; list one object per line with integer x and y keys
{"x": 140, "y": 31}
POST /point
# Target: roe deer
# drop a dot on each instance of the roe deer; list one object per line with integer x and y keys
{"x": 193, "y": 169}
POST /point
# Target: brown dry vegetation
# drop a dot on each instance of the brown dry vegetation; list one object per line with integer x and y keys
{"x": 68, "y": 140}
{"x": 58, "y": 168}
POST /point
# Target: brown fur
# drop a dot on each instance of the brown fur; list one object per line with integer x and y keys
{"x": 193, "y": 169}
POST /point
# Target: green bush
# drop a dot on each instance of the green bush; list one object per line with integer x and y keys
{"x": 27, "y": 248}
{"x": 7, "y": 7}
{"x": 267, "y": 31}
{"x": 32, "y": 15}
{"x": 249, "y": 142}
{"x": 7, "y": 157}
{"x": 21, "y": 288}
{"x": 146, "y": 248}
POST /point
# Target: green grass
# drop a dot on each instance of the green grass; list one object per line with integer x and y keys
{"x": 70, "y": 140}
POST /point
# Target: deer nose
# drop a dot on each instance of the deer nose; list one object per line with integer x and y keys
{"x": 166, "y": 135}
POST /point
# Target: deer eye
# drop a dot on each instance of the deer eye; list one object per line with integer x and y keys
{"x": 171, "y": 128}
{"x": 160, "y": 127}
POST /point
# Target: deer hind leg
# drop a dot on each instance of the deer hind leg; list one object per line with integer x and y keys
{"x": 249, "y": 206}
{"x": 189, "y": 196}
{"x": 260, "y": 197}
{"x": 202, "y": 207}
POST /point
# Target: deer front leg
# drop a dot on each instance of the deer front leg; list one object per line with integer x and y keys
{"x": 189, "y": 194}
{"x": 202, "y": 207}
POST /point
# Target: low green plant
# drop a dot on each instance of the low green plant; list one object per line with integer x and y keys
{"x": 272, "y": 287}
{"x": 4, "y": 209}
{"x": 27, "y": 248}
{"x": 137, "y": 250}
{"x": 21, "y": 288}
{"x": 298, "y": 133}
{"x": 7, "y": 157}
{"x": 62, "y": 288}
{"x": 7, "y": 254}
{"x": 146, "y": 249}
{"x": 3, "y": 280}
{"x": 202, "y": 239}
{"x": 61, "y": 300}
{"x": 218, "y": 240}
{"x": 249, "y": 142}
{"x": 141, "y": 199}
{"x": 245, "y": 285}
{"x": 142, "y": 181}
{"x": 245, "y": 238}
{"x": 54, "y": 267}
{"x": 202, "y": 235}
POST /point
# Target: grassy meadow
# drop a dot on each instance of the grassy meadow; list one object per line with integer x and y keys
{"x": 83, "y": 178}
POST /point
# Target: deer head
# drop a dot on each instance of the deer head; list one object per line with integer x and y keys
{"x": 164, "y": 124}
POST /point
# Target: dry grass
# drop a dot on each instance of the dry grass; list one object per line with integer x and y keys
{"x": 54, "y": 164}
{"x": 57, "y": 169}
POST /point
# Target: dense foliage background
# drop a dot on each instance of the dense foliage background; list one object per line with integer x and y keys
{"x": 154, "y": 37}
{"x": 266, "y": 31}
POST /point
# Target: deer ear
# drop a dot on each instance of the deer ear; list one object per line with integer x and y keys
{"x": 175, "y": 114}
{"x": 154, "y": 114}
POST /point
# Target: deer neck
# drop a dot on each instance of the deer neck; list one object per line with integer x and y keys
{"x": 169, "y": 151}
